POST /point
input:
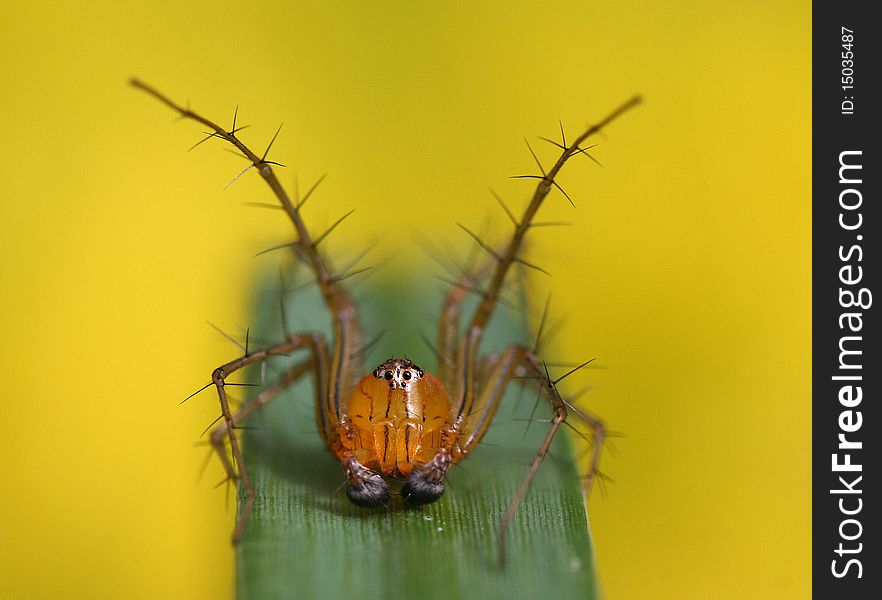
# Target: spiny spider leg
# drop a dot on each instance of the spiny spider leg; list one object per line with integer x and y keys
{"x": 464, "y": 388}
{"x": 339, "y": 302}
{"x": 458, "y": 443}
{"x": 448, "y": 321}
{"x": 485, "y": 408}
{"x": 464, "y": 385}
{"x": 218, "y": 435}
{"x": 318, "y": 347}
{"x": 559, "y": 416}
{"x": 335, "y": 377}
{"x": 596, "y": 426}
{"x": 510, "y": 255}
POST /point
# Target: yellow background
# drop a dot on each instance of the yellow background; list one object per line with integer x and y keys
{"x": 686, "y": 272}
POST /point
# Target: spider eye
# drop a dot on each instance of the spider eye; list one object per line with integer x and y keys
{"x": 406, "y": 375}
{"x": 388, "y": 375}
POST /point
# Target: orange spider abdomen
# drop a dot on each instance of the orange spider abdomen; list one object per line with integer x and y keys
{"x": 397, "y": 412}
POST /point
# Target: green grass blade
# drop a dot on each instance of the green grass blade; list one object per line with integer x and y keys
{"x": 306, "y": 540}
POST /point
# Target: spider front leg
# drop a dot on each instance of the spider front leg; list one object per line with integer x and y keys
{"x": 318, "y": 362}
{"x": 218, "y": 435}
{"x": 561, "y": 410}
{"x": 336, "y": 369}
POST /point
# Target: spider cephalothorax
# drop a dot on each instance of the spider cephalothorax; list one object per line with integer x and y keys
{"x": 397, "y": 428}
{"x": 396, "y": 417}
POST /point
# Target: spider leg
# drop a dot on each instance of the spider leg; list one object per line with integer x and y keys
{"x": 464, "y": 435}
{"x": 561, "y": 410}
{"x": 318, "y": 347}
{"x": 338, "y": 301}
{"x": 448, "y": 321}
{"x": 559, "y": 415}
{"x": 463, "y": 385}
{"x": 218, "y": 435}
{"x": 472, "y": 411}
{"x": 337, "y": 371}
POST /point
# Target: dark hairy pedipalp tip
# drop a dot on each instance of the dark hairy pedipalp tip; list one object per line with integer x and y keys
{"x": 421, "y": 488}
{"x": 370, "y": 493}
